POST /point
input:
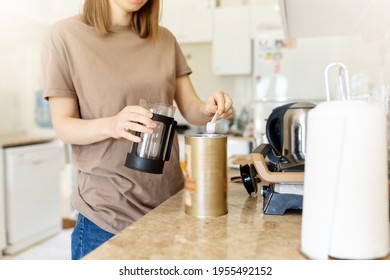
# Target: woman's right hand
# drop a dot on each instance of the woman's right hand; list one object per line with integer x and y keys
{"x": 130, "y": 120}
{"x": 71, "y": 129}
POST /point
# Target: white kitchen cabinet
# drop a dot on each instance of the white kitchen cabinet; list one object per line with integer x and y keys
{"x": 231, "y": 47}
{"x": 32, "y": 193}
{"x": 265, "y": 17}
{"x": 308, "y": 18}
{"x": 189, "y": 20}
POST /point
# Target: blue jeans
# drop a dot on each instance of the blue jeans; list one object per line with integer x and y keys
{"x": 86, "y": 237}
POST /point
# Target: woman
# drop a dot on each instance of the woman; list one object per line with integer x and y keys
{"x": 97, "y": 68}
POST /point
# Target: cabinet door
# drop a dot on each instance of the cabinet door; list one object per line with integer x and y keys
{"x": 265, "y": 17}
{"x": 189, "y": 20}
{"x": 232, "y": 43}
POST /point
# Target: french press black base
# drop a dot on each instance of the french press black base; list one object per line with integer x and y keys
{"x": 150, "y": 155}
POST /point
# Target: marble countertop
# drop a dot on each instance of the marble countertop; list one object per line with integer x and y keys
{"x": 244, "y": 233}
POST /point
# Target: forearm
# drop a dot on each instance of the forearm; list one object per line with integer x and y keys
{"x": 82, "y": 132}
{"x": 195, "y": 113}
{"x": 190, "y": 105}
{"x": 72, "y": 129}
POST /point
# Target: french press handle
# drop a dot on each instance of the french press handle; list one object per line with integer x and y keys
{"x": 170, "y": 141}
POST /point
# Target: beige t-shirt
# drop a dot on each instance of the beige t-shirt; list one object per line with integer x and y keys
{"x": 105, "y": 74}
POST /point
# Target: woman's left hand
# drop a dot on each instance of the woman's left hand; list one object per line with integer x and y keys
{"x": 219, "y": 102}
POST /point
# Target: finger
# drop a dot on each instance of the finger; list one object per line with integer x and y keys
{"x": 136, "y": 127}
{"x": 139, "y": 114}
{"x": 229, "y": 110}
{"x": 131, "y": 137}
{"x": 139, "y": 110}
{"x": 228, "y": 105}
{"x": 224, "y": 102}
{"x": 227, "y": 115}
{"x": 219, "y": 99}
{"x": 134, "y": 117}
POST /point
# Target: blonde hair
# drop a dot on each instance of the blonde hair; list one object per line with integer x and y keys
{"x": 145, "y": 21}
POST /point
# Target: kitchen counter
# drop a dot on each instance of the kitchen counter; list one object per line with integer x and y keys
{"x": 24, "y": 138}
{"x": 244, "y": 233}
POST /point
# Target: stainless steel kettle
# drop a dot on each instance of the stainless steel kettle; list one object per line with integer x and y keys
{"x": 286, "y": 131}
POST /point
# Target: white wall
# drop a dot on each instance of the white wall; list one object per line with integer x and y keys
{"x": 41, "y": 11}
{"x": 369, "y": 55}
{"x": 20, "y": 71}
{"x": 199, "y": 58}
{"x": 23, "y": 25}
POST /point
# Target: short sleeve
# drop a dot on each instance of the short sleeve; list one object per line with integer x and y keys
{"x": 56, "y": 70}
{"x": 182, "y": 67}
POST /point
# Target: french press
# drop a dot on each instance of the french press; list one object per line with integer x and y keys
{"x": 151, "y": 153}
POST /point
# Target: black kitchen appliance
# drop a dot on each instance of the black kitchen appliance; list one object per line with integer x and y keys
{"x": 280, "y": 163}
{"x": 282, "y": 182}
{"x": 286, "y": 131}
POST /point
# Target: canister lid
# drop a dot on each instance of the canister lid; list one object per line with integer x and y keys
{"x": 206, "y": 135}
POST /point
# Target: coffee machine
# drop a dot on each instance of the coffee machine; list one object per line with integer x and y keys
{"x": 280, "y": 163}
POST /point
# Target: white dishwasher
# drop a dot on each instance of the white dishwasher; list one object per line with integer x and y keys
{"x": 2, "y": 203}
{"x": 32, "y": 193}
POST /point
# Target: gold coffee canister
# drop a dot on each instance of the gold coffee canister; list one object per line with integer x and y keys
{"x": 205, "y": 193}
